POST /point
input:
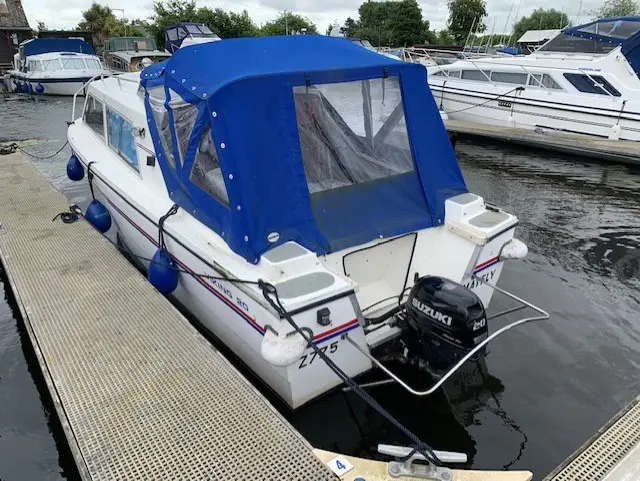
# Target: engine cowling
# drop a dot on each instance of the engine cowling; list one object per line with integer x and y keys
{"x": 446, "y": 320}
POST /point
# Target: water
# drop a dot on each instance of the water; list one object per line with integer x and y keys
{"x": 551, "y": 384}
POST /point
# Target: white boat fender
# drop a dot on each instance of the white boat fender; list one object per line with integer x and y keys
{"x": 282, "y": 350}
{"x": 514, "y": 249}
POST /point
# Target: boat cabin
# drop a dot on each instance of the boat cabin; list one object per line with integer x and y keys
{"x": 316, "y": 140}
{"x": 187, "y": 33}
{"x": 131, "y": 54}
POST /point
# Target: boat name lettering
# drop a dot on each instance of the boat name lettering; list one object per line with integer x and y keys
{"x": 590, "y": 69}
{"x": 432, "y": 313}
{"x": 473, "y": 283}
{"x": 307, "y": 359}
{"x": 225, "y": 290}
{"x": 504, "y": 103}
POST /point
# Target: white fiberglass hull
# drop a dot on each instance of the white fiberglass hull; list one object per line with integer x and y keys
{"x": 601, "y": 117}
{"x": 234, "y": 318}
{"x": 50, "y": 85}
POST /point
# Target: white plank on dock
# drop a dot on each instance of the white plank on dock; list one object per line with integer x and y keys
{"x": 623, "y": 151}
{"x": 140, "y": 393}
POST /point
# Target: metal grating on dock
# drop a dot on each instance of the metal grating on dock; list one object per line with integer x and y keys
{"x": 605, "y": 455}
{"x": 140, "y": 393}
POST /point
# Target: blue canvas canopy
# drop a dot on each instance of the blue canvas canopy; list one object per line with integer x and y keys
{"x": 47, "y": 45}
{"x": 261, "y": 139}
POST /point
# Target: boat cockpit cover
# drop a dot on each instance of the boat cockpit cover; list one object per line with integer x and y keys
{"x": 47, "y": 45}
{"x": 299, "y": 138}
{"x": 602, "y": 35}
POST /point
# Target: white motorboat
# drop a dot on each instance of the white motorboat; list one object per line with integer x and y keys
{"x": 131, "y": 54}
{"x": 54, "y": 66}
{"x": 300, "y": 197}
{"x": 584, "y": 80}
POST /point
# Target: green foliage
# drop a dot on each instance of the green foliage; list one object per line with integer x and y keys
{"x": 616, "y": 8}
{"x": 389, "y": 23}
{"x": 465, "y": 15}
{"x": 540, "y": 19}
{"x": 100, "y": 20}
{"x": 228, "y": 24}
{"x": 444, "y": 37}
{"x": 288, "y": 22}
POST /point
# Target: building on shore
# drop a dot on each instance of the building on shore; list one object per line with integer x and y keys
{"x": 14, "y": 29}
{"x": 531, "y": 40}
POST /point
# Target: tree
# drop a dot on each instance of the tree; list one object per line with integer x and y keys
{"x": 405, "y": 24}
{"x": 98, "y": 19}
{"x": 465, "y": 15}
{"x": 286, "y": 23}
{"x": 228, "y": 24}
{"x": 616, "y": 8}
{"x": 350, "y": 27}
{"x": 540, "y": 19}
{"x": 444, "y": 37}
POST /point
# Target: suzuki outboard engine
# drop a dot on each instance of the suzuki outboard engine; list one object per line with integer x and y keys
{"x": 445, "y": 320}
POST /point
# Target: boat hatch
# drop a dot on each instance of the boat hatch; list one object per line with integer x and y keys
{"x": 314, "y": 142}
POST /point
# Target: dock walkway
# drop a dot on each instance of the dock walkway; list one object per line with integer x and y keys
{"x": 612, "y": 454}
{"x": 623, "y": 151}
{"x": 140, "y": 393}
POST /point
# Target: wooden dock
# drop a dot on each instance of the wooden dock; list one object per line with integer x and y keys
{"x": 612, "y": 454}
{"x": 139, "y": 392}
{"x": 622, "y": 151}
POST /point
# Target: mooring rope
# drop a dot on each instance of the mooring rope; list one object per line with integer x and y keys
{"x": 13, "y": 147}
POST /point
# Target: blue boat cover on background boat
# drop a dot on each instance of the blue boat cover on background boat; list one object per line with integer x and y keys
{"x": 47, "y": 45}
{"x": 245, "y": 92}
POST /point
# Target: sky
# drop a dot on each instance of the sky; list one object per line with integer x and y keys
{"x": 58, "y": 14}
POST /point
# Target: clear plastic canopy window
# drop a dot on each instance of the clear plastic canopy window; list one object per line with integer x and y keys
{"x": 352, "y": 133}
{"x": 622, "y": 29}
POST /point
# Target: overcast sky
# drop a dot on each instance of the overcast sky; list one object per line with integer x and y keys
{"x": 67, "y": 13}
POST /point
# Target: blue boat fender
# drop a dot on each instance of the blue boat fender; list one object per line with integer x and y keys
{"x": 98, "y": 216}
{"x": 40, "y": 88}
{"x": 163, "y": 273}
{"x": 75, "y": 170}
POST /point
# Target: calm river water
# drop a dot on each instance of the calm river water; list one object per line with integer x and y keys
{"x": 551, "y": 384}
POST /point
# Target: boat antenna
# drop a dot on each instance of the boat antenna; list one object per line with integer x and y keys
{"x": 579, "y": 11}
{"x": 469, "y": 34}
{"x": 514, "y": 22}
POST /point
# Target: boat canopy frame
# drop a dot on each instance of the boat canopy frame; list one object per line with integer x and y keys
{"x": 242, "y": 116}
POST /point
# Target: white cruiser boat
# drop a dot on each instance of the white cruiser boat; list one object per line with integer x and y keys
{"x": 187, "y": 33}
{"x": 307, "y": 166}
{"x": 131, "y": 54}
{"x": 585, "y": 80}
{"x": 54, "y": 66}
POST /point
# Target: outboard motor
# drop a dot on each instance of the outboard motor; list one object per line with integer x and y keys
{"x": 445, "y": 320}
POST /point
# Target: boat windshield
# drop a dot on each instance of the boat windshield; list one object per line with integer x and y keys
{"x": 130, "y": 43}
{"x": 622, "y": 29}
{"x": 198, "y": 29}
{"x": 570, "y": 44}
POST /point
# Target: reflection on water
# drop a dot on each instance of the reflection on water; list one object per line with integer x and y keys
{"x": 548, "y": 386}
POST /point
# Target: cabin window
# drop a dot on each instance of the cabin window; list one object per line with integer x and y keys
{"x": 343, "y": 146}
{"x": 591, "y": 84}
{"x": 37, "y": 66}
{"x": 48, "y": 65}
{"x": 184, "y": 117}
{"x": 93, "y": 63}
{"x": 161, "y": 118}
{"x": 206, "y": 172}
{"x": 509, "y": 77}
{"x": 172, "y": 34}
{"x": 73, "y": 63}
{"x": 120, "y": 134}
{"x": 476, "y": 75}
{"x": 93, "y": 115}
{"x": 545, "y": 79}
{"x": 570, "y": 44}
